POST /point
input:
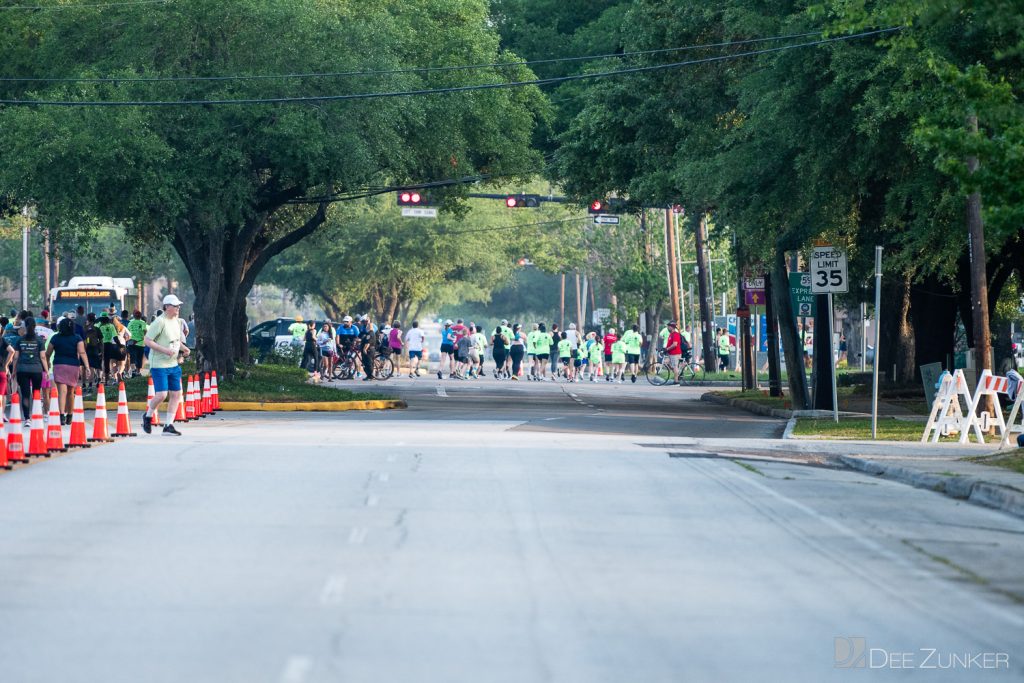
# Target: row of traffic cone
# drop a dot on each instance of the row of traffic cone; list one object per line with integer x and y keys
{"x": 202, "y": 399}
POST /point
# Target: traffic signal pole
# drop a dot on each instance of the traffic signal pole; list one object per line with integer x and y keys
{"x": 673, "y": 288}
{"x": 706, "y": 319}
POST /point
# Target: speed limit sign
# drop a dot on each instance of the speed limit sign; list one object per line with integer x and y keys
{"x": 828, "y": 270}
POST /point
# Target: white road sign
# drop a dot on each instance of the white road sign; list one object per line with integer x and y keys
{"x": 753, "y": 283}
{"x": 605, "y": 219}
{"x": 419, "y": 212}
{"x": 828, "y": 270}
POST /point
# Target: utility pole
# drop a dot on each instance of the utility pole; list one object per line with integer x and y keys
{"x": 670, "y": 246}
{"x": 706, "y": 319}
{"x": 561, "y": 318}
{"x": 979, "y": 281}
{"x": 27, "y": 215}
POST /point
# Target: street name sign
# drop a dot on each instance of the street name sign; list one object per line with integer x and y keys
{"x": 828, "y": 270}
{"x": 419, "y": 212}
{"x": 606, "y": 220}
{"x": 753, "y": 283}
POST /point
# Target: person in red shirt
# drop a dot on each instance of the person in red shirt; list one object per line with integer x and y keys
{"x": 609, "y": 338}
{"x": 673, "y": 348}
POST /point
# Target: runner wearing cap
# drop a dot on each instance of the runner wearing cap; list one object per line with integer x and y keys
{"x": 447, "y": 350}
{"x": 163, "y": 338}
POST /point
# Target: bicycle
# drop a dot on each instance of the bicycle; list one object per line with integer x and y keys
{"x": 659, "y": 374}
{"x": 383, "y": 368}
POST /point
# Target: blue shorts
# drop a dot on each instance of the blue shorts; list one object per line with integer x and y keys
{"x": 415, "y": 354}
{"x": 165, "y": 379}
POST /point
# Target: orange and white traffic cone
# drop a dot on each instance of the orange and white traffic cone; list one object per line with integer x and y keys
{"x": 150, "y": 395}
{"x": 37, "y": 433}
{"x": 3, "y": 446}
{"x": 100, "y": 431}
{"x": 190, "y": 401}
{"x": 15, "y": 438}
{"x": 77, "y": 438}
{"x": 216, "y": 393}
{"x": 179, "y": 415}
{"x": 207, "y": 396}
{"x": 124, "y": 423}
{"x": 54, "y": 430}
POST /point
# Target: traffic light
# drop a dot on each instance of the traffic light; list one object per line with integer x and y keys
{"x": 598, "y": 206}
{"x": 413, "y": 198}
{"x": 522, "y": 201}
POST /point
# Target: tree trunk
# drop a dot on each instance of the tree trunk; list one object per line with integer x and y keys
{"x": 823, "y": 355}
{"x": 897, "y": 334}
{"x": 771, "y": 320}
{"x": 792, "y": 344}
{"x": 933, "y": 312}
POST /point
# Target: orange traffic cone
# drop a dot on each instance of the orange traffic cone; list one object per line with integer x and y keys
{"x": 124, "y": 423}
{"x": 37, "y": 433}
{"x": 54, "y": 430}
{"x": 77, "y": 438}
{"x": 150, "y": 395}
{"x": 100, "y": 432}
{"x": 15, "y": 439}
{"x": 216, "y": 394}
{"x": 207, "y": 398}
{"x": 199, "y": 397}
{"x": 179, "y": 416}
{"x": 3, "y": 447}
{"x": 190, "y": 401}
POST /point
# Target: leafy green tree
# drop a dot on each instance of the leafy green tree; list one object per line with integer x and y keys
{"x": 232, "y": 186}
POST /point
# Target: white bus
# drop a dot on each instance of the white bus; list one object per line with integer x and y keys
{"x": 96, "y": 294}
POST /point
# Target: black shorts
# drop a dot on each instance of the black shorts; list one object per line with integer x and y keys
{"x": 577, "y": 362}
{"x": 565, "y": 361}
{"x": 542, "y": 356}
{"x": 607, "y": 358}
{"x": 447, "y": 348}
{"x": 632, "y": 357}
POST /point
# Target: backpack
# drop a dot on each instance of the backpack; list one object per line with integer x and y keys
{"x": 93, "y": 338}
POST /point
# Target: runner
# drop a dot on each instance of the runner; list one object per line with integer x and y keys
{"x": 542, "y": 344}
{"x": 499, "y": 350}
{"x": 164, "y": 341}
{"x": 447, "y": 350}
{"x": 556, "y": 336}
{"x": 596, "y": 349}
{"x": 565, "y": 356}
{"x": 137, "y": 329}
{"x": 618, "y": 363}
{"x": 414, "y": 342}
{"x": 463, "y": 361}
{"x": 481, "y": 349}
{"x": 609, "y": 341}
{"x": 634, "y": 344}
{"x": 531, "y": 352}
{"x": 507, "y": 331}
{"x": 517, "y": 350}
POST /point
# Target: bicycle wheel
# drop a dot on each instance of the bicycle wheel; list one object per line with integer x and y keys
{"x": 343, "y": 370}
{"x": 659, "y": 374}
{"x": 693, "y": 373}
{"x": 383, "y": 368}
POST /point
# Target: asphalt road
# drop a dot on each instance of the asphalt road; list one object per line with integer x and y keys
{"x": 502, "y": 533}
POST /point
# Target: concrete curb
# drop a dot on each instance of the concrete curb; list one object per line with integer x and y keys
{"x": 972, "y": 489}
{"x": 270, "y": 407}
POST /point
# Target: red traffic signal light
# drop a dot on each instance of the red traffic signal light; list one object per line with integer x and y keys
{"x": 598, "y": 206}
{"x": 522, "y": 201}
{"x": 413, "y": 198}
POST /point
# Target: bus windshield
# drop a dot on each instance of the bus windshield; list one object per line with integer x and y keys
{"x": 96, "y": 301}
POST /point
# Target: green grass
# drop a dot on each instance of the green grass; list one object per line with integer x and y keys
{"x": 1010, "y": 460}
{"x": 889, "y": 429}
{"x": 755, "y": 396}
{"x": 253, "y": 383}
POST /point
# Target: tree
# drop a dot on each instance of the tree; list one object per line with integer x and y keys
{"x": 231, "y": 186}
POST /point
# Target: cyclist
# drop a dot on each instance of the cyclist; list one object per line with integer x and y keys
{"x": 347, "y": 334}
{"x": 673, "y": 349}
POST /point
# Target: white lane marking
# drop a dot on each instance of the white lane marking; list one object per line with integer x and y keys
{"x": 296, "y": 669}
{"x": 333, "y": 590}
{"x": 441, "y": 392}
{"x": 358, "y": 535}
{"x": 384, "y": 476}
{"x": 371, "y": 501}
{"x": 863, "y": 540}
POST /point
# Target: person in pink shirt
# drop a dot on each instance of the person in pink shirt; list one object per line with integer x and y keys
{"x": 395, "y": 345}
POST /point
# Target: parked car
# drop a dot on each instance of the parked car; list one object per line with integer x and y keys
{"x": 273, "y": 335}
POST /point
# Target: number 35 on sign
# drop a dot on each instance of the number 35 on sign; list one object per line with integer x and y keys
{"x": 828, "y": 270}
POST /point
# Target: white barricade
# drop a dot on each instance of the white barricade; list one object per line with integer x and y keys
{"x": 988, "y": 385}
{"x": 947, "y": 416}
{"x": 1011, "y": 427}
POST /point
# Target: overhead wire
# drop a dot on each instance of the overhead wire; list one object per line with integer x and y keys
{"x": 55, "y": 7}
{"x": 437, "y": 91}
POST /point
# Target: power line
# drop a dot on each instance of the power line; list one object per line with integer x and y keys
{"x": 439, "y": 91}
{"x": 76, "y": 6}
{"x": 382, "y": 72}
{"x": 510, "y": 227}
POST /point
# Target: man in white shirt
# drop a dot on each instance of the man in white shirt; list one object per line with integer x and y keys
{"x": 414, "y": 342}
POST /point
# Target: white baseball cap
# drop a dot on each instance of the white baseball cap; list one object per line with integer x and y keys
{"x": 171, "y": 300}
{"x": 347, "y": 319}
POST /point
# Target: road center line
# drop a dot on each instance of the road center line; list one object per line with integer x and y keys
{"x": 333, "y": 590}
{"x": 441, "y": 392}
{"x": 296, "y": 669}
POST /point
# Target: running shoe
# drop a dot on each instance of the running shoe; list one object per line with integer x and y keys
{"x": 169, "y": 430}
{"x": 147, "y": 423}
{"x": 439, "y": 376}
{"x": 633, "y": 380}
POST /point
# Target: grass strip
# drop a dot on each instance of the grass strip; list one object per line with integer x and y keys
{"x": 889, "y": 429}
{"x": 255, "y": 383}
{"x": 1010, "y": 460}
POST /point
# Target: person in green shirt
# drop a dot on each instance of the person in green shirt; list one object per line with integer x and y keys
{"x": 481, "y": 346}
{"x": 542, "y": 346}
{"x": 595, "y": 352}
{"x": 663, "y": 337}
{"x": 618, "y": 360}
{"x": 137, "y": 329}
{"x": 724, "y": 347}
{"x": 531, "y": 352}
{"x": 298, "y": 331}
{"x": 634, "y": 342}
{"x": 565, "y": 356}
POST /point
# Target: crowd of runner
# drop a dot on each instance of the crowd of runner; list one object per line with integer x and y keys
{"x": 540, "y": 354}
